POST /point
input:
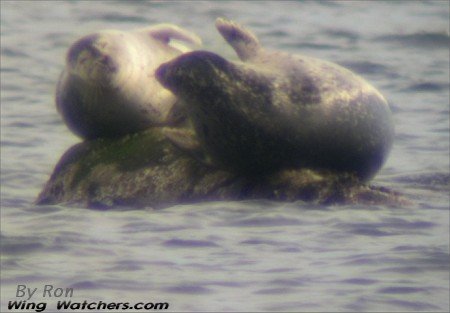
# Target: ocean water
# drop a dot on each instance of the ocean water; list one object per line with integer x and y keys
{"x": 235, "y": 256}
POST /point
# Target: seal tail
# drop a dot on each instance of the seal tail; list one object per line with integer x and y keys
{"x": 243, "y": 41}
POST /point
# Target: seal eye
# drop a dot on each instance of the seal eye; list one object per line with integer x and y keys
{"x": 108, "y": 61}
{"x": 79, "y": 46}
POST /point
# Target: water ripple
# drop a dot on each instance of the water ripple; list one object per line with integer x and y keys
{"x": 275, "y": 291}
{"x": 87, "y": 284}
{"x": 260, "y": 221}
{"x": 360, "y": 281}
{"x": 424, "y": 40}
{"x": 189, "y": 289}
{"x": 427, "y": 87}
{"x": 414, "y": 305}
{"x": 184, "y": 243}
{"x": 370, "y": 68}
{"x": 13, "y": 52}
{"x": 342, "y": 33}
{"x": 402, "y": 290}
{"x": 427, "y": 180}
{"x": 19, "y": 245}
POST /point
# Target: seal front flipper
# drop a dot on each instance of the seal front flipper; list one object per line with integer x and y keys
{"x": 167, "y": 32}
{"x": 243, "y": 41}
{"x": 186, "y": 140}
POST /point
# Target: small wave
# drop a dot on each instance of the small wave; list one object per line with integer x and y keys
{"x": 275, "y": 33}
{"x": 360, "y": 281}
{"x": 126, "y": 266}
{"x": 371, "y": 68}
{"x": 428, "y": 259}
{"x": 388, "y": 227}
{"x": 85, "y": 285}
{"x": 184, "y": 243}
{"x": 342, "y": 33}
{"x": 432, "y": 181}
{"x": 275, "y": 291}
{"x": 260, "y": 242}
{"x": 291, "y": 282}
{"x": 369, "y": 230}
{"x": 111, "y": 284}
{"x": 118, "y": 18}
{"x": 189, "y": 289}
{"x": 11, "y": 52}
{"x": 229, "y": 284}
{"x": 418, "y": 40}
{"x": 311, "y": 45}
{"x": 401, "y": 290}
{"x": 413, "y": 305}
{"x": 404, "y": 270}
{"x": 19, "y": 245}
{"x": 10, "y": 70}
{"x": 263, "y": 222}
{"x": 21, "y": 125}
{"x": 427, "y": 87}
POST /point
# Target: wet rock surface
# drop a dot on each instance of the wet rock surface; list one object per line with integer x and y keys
{"x": 147, "y": 170}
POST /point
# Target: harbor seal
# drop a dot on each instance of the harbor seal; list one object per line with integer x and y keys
{"x": 276, "y": 110}
{"x": 108, "y": 88}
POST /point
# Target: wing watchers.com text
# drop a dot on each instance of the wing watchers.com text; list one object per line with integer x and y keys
{"x": 23, "y": 306}
{"x": 28, "y": 294}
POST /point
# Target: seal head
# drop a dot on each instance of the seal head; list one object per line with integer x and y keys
{"x": 108, "y": 88}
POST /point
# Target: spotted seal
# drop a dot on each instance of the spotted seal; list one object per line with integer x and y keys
{"x": 108, "y": 88}
{"x": 275, "y": 110}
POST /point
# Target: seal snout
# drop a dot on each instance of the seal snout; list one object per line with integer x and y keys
{"x": 162, "y": 73}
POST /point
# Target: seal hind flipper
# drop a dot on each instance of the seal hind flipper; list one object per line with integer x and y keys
{"x": 167, "y": 32}
{"x": 243, "y": 41}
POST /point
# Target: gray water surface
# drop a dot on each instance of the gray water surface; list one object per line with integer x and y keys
{"x": 235, "y": 256}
